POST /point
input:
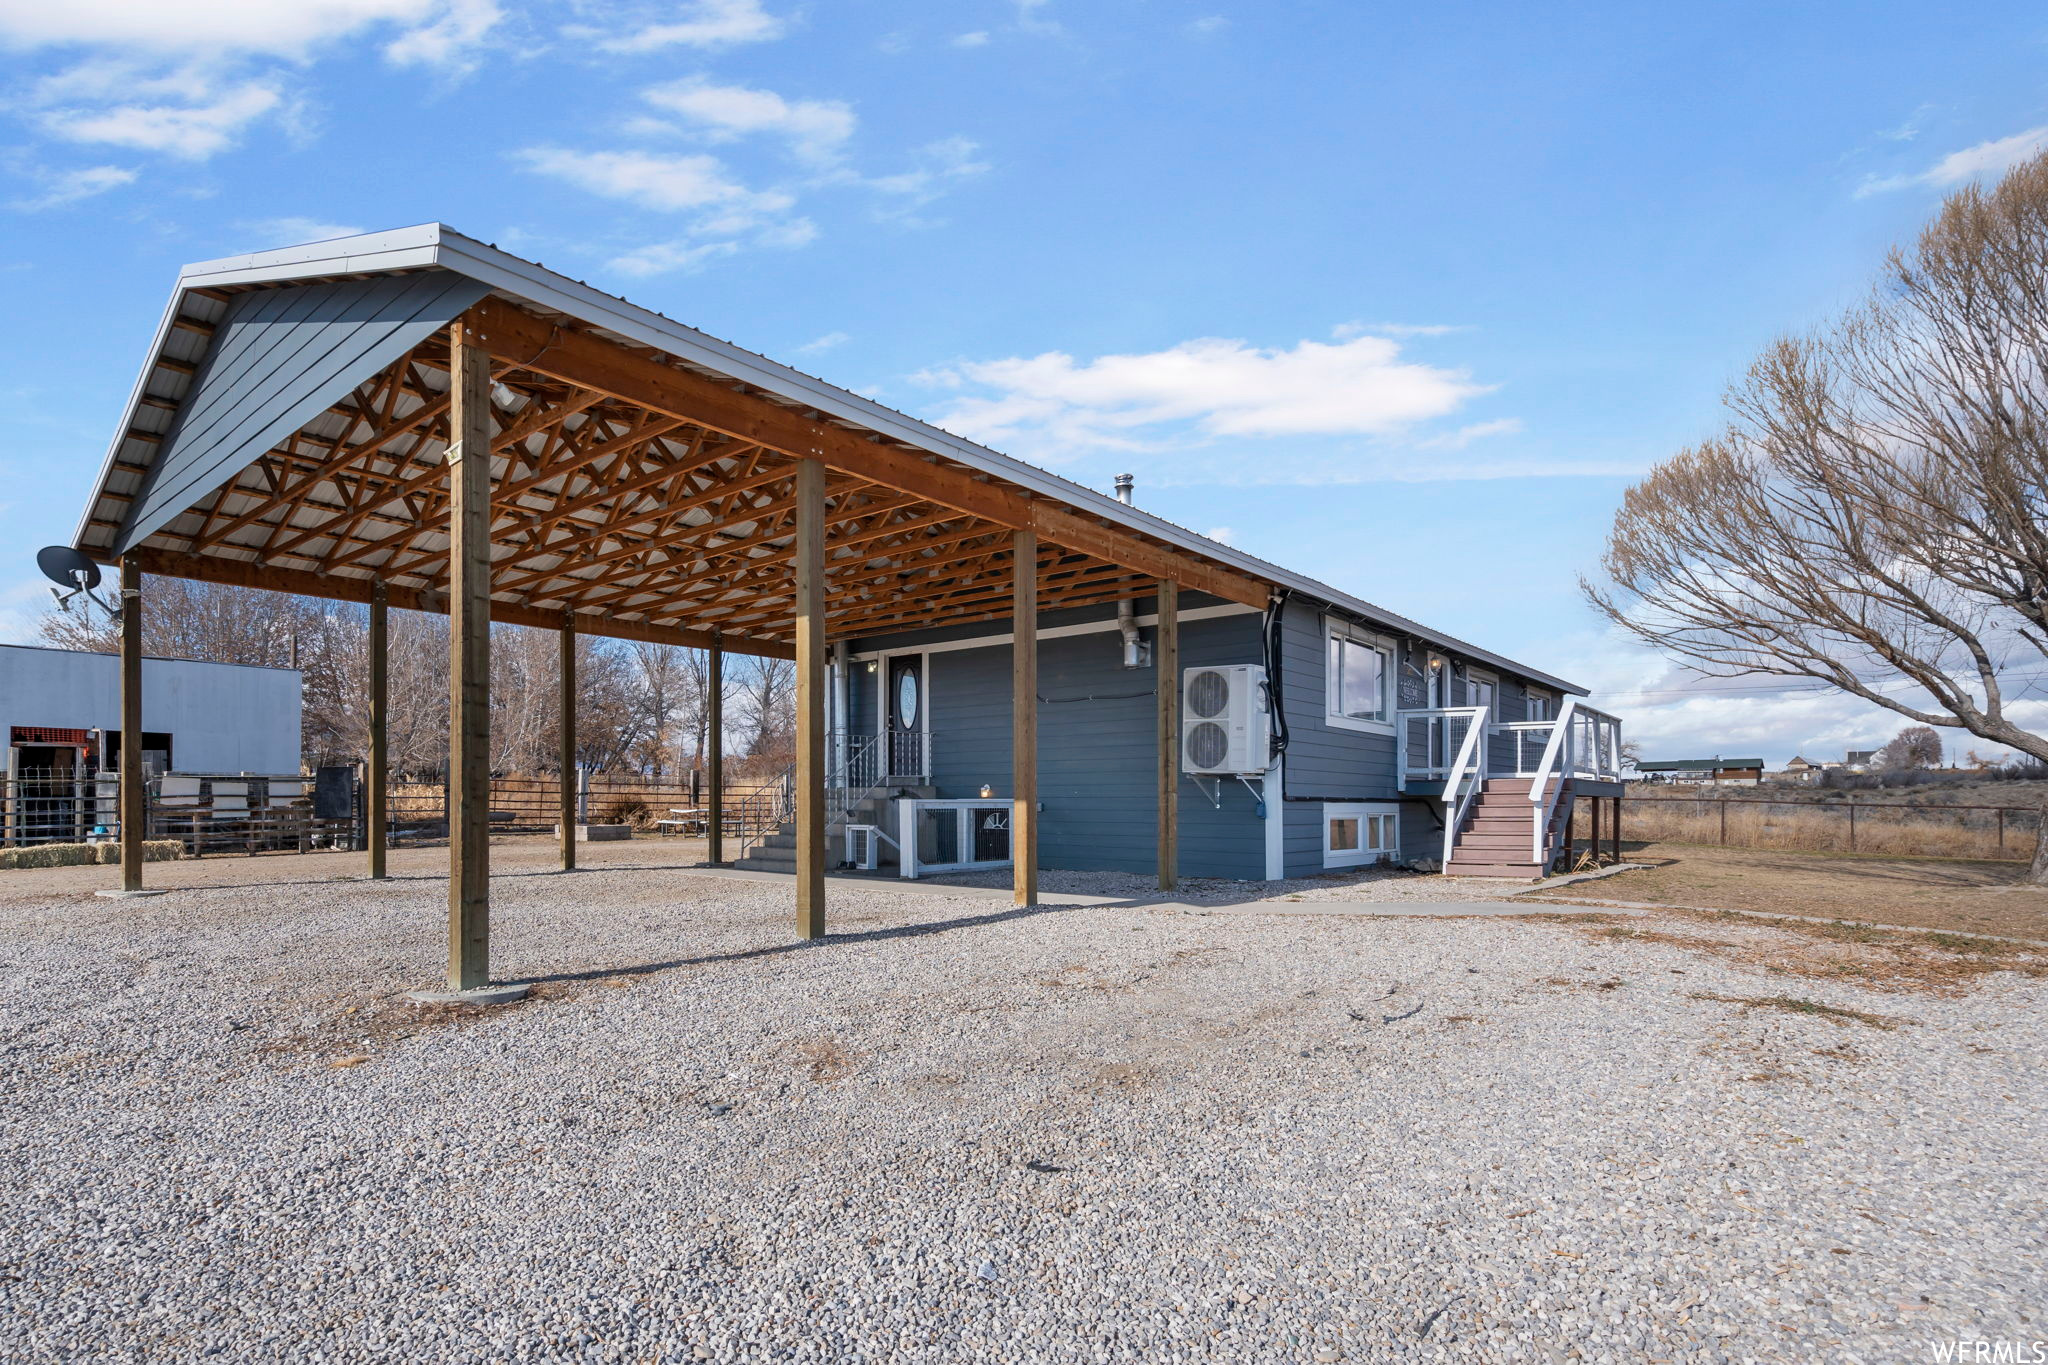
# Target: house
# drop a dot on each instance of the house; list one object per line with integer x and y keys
{"x": 1801, "y": 770}
{"x": 416, "y": 419}
{"x": 1337, "y": 723}
{"x": 1860, "y": 760}
{"x": 1742, "y": 772}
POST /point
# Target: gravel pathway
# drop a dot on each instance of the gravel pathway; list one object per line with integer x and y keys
{"x": 961, "y": 1132}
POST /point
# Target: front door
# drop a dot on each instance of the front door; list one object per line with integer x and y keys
{"x": 1479, "y": 692}
{"x": 903, "y": 712}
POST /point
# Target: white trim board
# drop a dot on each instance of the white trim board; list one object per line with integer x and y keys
{"x": 1061, "y": 632}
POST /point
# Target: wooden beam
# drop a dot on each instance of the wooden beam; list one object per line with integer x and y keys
{"x": 134, "y": 782}
{"x": 375, "y": 804}
{"x": 1024, "y": 718}
{"x": 595, "y": 363}
{"x": 335, "y": 587}
{"x": 714, "y": 751}
{"x": 810, "y": 699}
{"x": 469, "y": 668}
{"x": 568, "y": 739}
{"x": 1166, "y": 656}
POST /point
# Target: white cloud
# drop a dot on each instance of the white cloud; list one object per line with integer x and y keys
{"x": 189, "y": 131}
{"x": 1208, "y": 26}
{"x": 1223, "y": 535}
{"x": 268, "y": 233}
{"x": 666, "y": 183}
{"x": 937, "y": 165}
{"x": 68, "y": 187}
{"x": 450, "y": 39}
{"x": 978, "y": 38}
{"x": 816, "y": 130}
{"x": 1344, "y": 331}
{"x": 724, "y": 214}
{"x": 215, "y": 27}
{"x": 1986, "y": 158}
{"x": 1672, "y": 712}
{"x": 823, "y": 343}
{"x": 1031, "y": 18}
{"x": 1055, "y": 406}
{"x": 187, "y": 80}
{"x": 1466, "y": 435}
{"x": 705, "y": 23}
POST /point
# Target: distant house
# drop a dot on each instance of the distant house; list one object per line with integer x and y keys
{"x": 1745, "y": 772}
{"x": 1860, "y": 760}
{"x": 1802, "y": 770}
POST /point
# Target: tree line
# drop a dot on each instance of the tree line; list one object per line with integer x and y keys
{"x": 640, "y": 708}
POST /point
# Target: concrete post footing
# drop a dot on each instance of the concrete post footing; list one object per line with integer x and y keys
{"x": 482, "y": 995}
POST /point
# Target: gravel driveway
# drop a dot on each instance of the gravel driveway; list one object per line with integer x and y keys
{"x": 961, "y": 1132}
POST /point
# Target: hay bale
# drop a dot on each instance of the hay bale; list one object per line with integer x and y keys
{"x": 48, "y": 855}
{"x": 153, "y": 851}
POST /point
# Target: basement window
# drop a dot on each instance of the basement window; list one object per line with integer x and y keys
{"x": 1358, "y": 834}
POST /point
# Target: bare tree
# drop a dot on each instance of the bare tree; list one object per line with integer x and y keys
{"x": 1916, "y": 746}
{"x": 767, "y": 705}
{"x": 1875, "y": 514}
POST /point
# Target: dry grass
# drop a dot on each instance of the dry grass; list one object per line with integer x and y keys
{"x": 1794, "y": 1005}
{"x": 1968, "y": 898}
{"x": 1876, "y": 959}
{"x": 1817, "y": 827}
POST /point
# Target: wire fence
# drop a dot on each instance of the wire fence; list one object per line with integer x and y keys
{"x": 1904, "y": 829}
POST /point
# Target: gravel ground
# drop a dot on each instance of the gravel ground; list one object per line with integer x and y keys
{"x": 1366, "y": 884}
{"x": 962, "y": 1132}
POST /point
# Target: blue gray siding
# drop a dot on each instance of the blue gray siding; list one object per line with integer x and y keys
{"x": 280, "y": 358}
{"x": 1097, "y": 753}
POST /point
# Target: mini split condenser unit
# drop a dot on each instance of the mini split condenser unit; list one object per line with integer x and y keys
{"x": 1224, "y": 726}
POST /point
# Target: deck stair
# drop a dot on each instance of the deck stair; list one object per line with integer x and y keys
{"x": 1496, "y": 839}
{"x": 777, "y": 852}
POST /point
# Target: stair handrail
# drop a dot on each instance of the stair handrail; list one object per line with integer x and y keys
{"x": 1561, "y": 759}
{"x": 847, "y": 783}
{"x": 1467, "y": 775}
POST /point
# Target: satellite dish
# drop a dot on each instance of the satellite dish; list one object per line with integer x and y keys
{"x": 68, "y": 568}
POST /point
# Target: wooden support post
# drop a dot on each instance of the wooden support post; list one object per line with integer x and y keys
{"x": 134, "y": 782}
{"x": 1852, "y": 825}
{"x": 714, "y": 753}
{"x": 1595, "y": 841}
{"x": 376, "y": 805}
{"x": 1024, "y": 716}
{"x": 1614, "y": 834}
{"x": 1166, "y": 655}
{"x": 810, "y": 699}
{"x": 469, "y": 665}
{"x": 568, "y": 728}
{"x": 1724, "y": 822}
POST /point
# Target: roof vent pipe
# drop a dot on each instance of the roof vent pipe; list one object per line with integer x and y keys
{"x": 1136, "y": 653}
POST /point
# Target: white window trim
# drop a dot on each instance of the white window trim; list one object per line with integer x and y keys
{"x": 1334, "y": 718}
{"x": 1359, "y": 810}
{"x": 1492, "y": 681}
{"x": 1533, "y": 695}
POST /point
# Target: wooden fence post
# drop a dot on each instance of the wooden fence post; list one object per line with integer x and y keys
{"x": 376, "y": 807}
{"x": 1852, "y": 826}
{"x": 1724, "y": 822}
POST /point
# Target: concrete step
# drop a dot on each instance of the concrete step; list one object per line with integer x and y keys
{"x": 1527, "y": 872}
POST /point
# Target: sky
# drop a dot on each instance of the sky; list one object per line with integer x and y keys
{"x": 1402, "y": 297}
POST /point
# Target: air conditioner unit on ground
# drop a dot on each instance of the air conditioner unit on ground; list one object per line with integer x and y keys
{"x": 1224, "y": 725}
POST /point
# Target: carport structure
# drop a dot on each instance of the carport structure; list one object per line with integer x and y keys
{"x": 416, "y": 419}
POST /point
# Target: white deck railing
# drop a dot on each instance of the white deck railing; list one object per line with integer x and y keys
{"x": 1453, "y": 745}
{"x": 1585, "y": 744}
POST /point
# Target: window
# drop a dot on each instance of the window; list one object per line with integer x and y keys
{"x": 1357, "y": 835}
{"x": 1542, "y": 706}
{"x": 1361, "y": 672}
